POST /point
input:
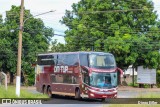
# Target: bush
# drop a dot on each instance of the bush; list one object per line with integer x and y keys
{"x": 31, "y": 79}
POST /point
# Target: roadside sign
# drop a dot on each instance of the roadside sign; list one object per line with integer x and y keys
{"x": 146, "y": 75}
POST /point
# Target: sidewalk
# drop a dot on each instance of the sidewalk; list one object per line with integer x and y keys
{"x": 28, "y": 87}
{"x": 128, "y": 88}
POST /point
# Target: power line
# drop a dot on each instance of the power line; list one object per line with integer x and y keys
{"x": 59, "y": 35}
{"x": 106, "y": 11}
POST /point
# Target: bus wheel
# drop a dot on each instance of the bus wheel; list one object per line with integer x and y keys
{"x": 103, "y": 99}
{"x": 77, "y": 94}
{"x": 44, "y": 90}
{"x": 49, "y": 92}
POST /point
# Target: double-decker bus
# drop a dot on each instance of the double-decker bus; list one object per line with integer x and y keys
{"x": 78, "y": 74}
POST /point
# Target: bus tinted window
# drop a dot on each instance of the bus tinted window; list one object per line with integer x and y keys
{"x": 67, "y": 79}
{"x": 68, "y": 59}
{"x": 102, "y": 61}
{"x": 46, "y": 60}
{"x": 83, "y": 59}
{"x": 71, "y": 59}
{"x": 61, "y": 59}
{"x": 53, "y": 78}
{"x": 63, "y": 79}
{"x": 59, "y": 78}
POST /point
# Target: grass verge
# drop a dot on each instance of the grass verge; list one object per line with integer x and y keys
{"x": 10, "y": 93}
{"x": 150, "y": 95}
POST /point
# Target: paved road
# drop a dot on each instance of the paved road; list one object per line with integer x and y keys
{"x": 71, "y": 100}
{"x": 121, "y": 94}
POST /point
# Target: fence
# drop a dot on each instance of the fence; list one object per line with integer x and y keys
{"x": 3, "y": 79}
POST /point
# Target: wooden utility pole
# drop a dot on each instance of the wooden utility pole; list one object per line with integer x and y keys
{"x": 18, "y": 77}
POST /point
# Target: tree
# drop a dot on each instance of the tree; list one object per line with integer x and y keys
{"x": 58, "y": 47}
{"x": 124, "y": 28}
{"x": 36, "y": 38}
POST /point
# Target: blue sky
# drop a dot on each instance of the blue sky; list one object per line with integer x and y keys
{"x": 50, "y": 19}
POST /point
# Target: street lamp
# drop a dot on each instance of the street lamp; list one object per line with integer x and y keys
{"x": 13, "y": 30}
{"x": 18, "y": 78}
{"x": 38, "y": 15}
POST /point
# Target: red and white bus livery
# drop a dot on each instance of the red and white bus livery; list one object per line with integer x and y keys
{"x": 78, "y": 74}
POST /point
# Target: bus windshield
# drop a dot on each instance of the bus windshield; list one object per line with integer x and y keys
{"x": 102, "y": 61}
{"x": 103, "y": 80}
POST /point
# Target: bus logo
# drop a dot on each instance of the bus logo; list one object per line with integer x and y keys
{"x": 62, "y": 69}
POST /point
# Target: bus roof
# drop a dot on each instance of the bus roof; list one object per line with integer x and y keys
{"x": 79, "y": 52}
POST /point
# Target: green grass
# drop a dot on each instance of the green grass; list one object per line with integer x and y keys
{"x": 131, "y": 84}
{"x": 10, "y": 93}
{"x": 150, "y": 95}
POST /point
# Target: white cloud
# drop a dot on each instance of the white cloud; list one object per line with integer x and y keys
{"x": 157, "y": 6}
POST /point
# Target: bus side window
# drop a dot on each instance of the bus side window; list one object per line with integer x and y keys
{"x": 59, "y": 78}
{"x": 53, "y": 78}
{"x": 60, "y": 60}
{"x": 71, "y": 59}
{"x": 67, "y": 78}
{"x": 46, "y": 60}
{"x": 74, "y": 80}
{"x": 83, "y": 60}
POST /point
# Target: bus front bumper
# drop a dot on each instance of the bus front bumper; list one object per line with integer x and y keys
{"x": 102, "y": 94}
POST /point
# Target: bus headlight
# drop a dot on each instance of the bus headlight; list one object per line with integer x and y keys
{"x": 91, "y": 94}
{"x": 115, "y": 96}
{"x": 82, "y": 86}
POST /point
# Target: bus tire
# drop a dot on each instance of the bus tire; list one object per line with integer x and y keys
{"x": 44, "y": 89}
{"x": 103, "y": 99}
{"x": 77, "y": 94}
{"x": 49, "y": 92}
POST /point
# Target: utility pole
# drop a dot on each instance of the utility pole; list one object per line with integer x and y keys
{"x": 133, "y": 75}
{"x": 18, "y": 77}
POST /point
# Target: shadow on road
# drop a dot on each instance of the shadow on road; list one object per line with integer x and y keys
{"x": 56, "y": 99}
